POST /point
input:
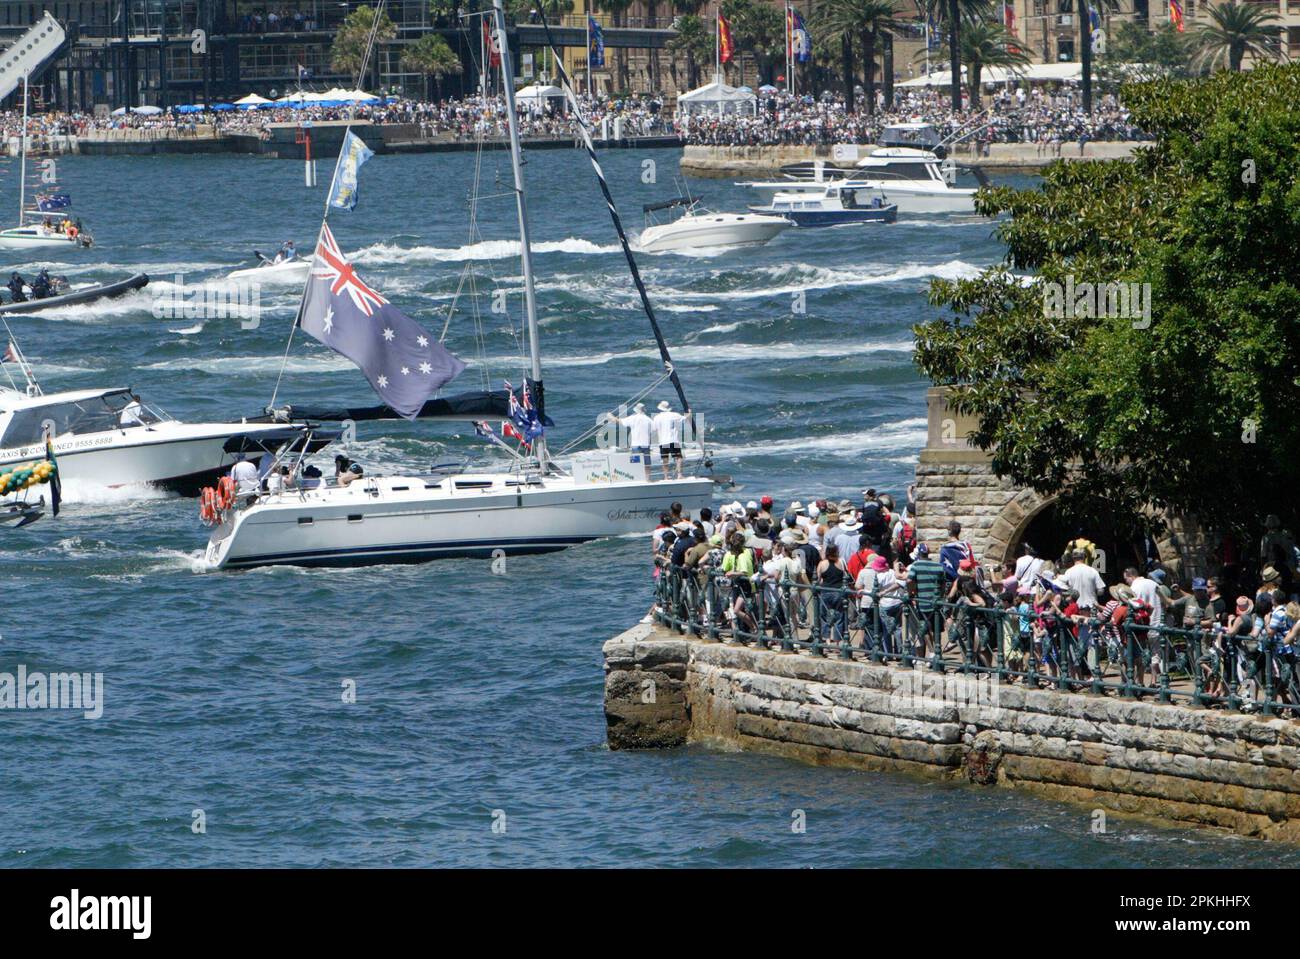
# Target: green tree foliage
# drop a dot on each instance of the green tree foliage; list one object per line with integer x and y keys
{"x": 350, "y": 42}
{"x": 1136, "y": 54}
{"x": 1193, "y": 413}
{"x": 987, "y": 45}
{"x": 695, "y": 38}
{"x": 1234, "y": 30}
{"x": 759, "y": 29}
{"x": 431, "y": 56}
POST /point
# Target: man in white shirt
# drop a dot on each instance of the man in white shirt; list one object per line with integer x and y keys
{"x": 1087, "y": 585}
{"x": 133, "y": 413}
{"x": 638, "y": 434}
{"x": 668, "y": 433}
{"x": 1148, "y": 590}
{"x": 247, "y": 482}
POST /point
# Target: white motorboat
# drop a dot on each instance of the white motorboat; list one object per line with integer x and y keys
{"x": 910, "y": 165}
{"x": 840, "y": 203}
{"x": 698, "y": 228}
{"x": 273, "y": 271}
{"x": 543, "y": 503}
{"x": 108, "y": 438}
{"x": 51, "y": 227}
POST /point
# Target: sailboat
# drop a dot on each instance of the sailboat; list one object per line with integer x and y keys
{"x": 543, "y": 503}
{"x": 48, "y": 214}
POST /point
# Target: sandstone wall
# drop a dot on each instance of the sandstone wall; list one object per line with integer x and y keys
{"x": 1165, "y": 762}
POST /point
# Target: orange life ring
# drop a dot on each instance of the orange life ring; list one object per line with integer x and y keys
{"x": 225, "y": 492}
{"x": 72, "y": 232}
{"x": 207, "y": 505}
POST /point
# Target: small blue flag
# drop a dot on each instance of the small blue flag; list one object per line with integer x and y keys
{"x": 354, "y": 153}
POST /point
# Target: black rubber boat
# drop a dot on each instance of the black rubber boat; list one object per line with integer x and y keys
{"x": 73, "y": 297}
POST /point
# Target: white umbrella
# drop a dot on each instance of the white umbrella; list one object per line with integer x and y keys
{"x": 355, "y": 95}
{"x": 251, "y": 100}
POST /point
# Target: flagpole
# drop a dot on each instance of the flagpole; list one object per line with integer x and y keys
{"x": 717, "y": 51}
{"x": 526, "y": 250}
{"x": 789, "y": 42}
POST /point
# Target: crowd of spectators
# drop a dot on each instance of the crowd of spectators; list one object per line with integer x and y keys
{"x": 1040, "y": 116}
{"x": 855, "y": 574}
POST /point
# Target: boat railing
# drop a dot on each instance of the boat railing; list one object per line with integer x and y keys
{"x": 1039, "y": 648}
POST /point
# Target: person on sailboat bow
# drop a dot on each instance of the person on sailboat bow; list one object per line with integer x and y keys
{"x": 668, "y": 431}
{"x": 638, "y": 433}
{"x": 287, "y": 252}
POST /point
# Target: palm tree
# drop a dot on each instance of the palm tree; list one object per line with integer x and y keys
{"x": 831, "y": 24}
{"x": 864, "y": 19}
{"x": 617, "y": 9}
{"x": 1234, "y": 30}
{"x": 695, "y": 39}
{"x": 352, "y": 38}
{"x": 431, "y": 56}
{"x": 955, "y": 15}
{"x": 987, "y": 45}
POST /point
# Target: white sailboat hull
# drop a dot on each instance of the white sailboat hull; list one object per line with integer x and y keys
{"x": 925, "y": 196}
{"x": 24, "y": 238}
{"x": 415, "y": 519}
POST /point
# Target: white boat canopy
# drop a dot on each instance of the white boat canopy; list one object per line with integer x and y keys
{"x": 251, "y": 100}
{"x": 1034, "y": 73}
{"x": 717, "y": 97}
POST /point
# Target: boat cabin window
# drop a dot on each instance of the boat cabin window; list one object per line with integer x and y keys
{"x": 473, "y": 484}
{"x": 95, "y": 415}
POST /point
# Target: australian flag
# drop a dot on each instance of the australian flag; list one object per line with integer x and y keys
{"x": 596, "y": 48}
{"x": 402, "y": 363}
{"x": 50, "y": 202}
{"x": 524, "y": 424}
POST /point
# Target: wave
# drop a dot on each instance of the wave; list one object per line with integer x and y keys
{"x": 382, "y": 253}
{"x": 801, "y": 277}
{"x": 329, "y": 363}
{"x": 725, "y": 352}
{"x": 908, "y": 434}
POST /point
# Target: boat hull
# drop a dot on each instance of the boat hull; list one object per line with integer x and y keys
{"x": 708, "y": 231}
{"x": 817, "y": 218}
{"x": 295, "y": 271}
{"x": 182, "y": 457}
{"x": 74, "y": 297}
{"x": 922, "y": 198}
{"x": 382, "y": 522}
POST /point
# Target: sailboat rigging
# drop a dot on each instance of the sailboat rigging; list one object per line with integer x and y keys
{"x": 541, "y": 504}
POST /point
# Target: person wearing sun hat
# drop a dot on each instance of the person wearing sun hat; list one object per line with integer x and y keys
{"x": 668, "y": 433}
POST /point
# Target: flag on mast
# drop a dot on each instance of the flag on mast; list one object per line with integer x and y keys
{"x": 726, "y": 46}
{"x": 1176, "y": 15}
{"x": 343, "y": 195}
{"x": 798, "y": 40}
{"x": 404, "y": 366}
{"x": 493, "y": 43}
{"x": 596, "y": 45}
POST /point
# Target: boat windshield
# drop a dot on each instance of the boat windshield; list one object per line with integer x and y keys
{"x": 93, "y": 415}
{"x": 923, "y": 137}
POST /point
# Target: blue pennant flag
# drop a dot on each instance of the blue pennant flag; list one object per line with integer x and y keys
{"x": 404, "y": 366}
{"x": 50, "y": 202}
{"x": 354, "y": 153}
{"x": 596, "y": 53}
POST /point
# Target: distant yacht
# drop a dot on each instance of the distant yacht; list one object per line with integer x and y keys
{"x": 839, "y": 203}
{"x": 699, "y": 228}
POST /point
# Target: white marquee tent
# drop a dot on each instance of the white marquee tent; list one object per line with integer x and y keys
{"x": 1034, "y": 73}
{"x": 717, "y": 97}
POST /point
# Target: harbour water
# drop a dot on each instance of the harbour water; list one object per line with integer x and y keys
{"x": 477, "y": 736}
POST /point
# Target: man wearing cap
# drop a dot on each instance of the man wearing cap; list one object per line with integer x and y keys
{"x": 925, "y": 583}
{"x": 638, "y": 433}
{"x": 765, "y": 506}
{"x": 668, "y": 433}
{"x": 1087, "y": 584}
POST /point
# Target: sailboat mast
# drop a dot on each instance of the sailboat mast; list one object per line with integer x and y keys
{"x": 22, "y": 148}
{"x": 526, "y": 250}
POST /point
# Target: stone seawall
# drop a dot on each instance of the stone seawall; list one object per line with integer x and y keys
{"x": 1165, "y": 762}
{"x": 726, "y": 161}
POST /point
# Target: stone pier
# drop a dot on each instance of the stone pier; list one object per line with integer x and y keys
{"x": 1169, "y": 763}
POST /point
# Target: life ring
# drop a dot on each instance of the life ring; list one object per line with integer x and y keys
{"x": 72, "y": 232}
{"x": 207, "y": 506}
{"x": 225, "y": 497}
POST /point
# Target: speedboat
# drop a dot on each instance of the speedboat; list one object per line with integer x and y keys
{"x": 276, "y": 271}
{"x": 838, "y": 204}
{"x": 108, "y": 437}
{"x": 700, "y": 228}
{"x": 70, "y": 296}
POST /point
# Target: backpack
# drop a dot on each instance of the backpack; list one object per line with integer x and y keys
{"x": 907, "y": 539}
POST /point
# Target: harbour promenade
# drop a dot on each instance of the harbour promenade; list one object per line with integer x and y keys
{"x": 730, "y": 161}
{"x": 803, "y": 679}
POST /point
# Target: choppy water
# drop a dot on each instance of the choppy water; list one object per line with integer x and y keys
{"x": 475, "y": 693}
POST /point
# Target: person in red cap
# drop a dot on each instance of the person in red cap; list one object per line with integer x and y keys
{"x": 765, "y": 507}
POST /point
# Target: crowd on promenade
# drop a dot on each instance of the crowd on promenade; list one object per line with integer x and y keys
{"x": 1038, "y": 116}
{"x": 457, "y": 119}
{"x": 860, "y": 578}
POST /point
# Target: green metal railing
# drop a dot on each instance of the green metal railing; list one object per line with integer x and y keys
{"x": 1039, "y": 649}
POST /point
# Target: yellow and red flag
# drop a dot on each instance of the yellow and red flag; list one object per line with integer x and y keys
{"x": 1176, "y": 15}
{"x": 726, "y": 46}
